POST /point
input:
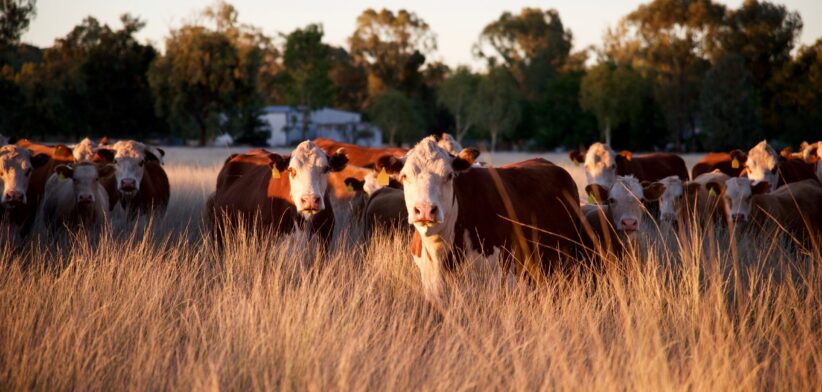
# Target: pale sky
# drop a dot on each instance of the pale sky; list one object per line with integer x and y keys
{"x": 457, "y": 24}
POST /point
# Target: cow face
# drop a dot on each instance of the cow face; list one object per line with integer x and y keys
{"x": 761, "y": 164}
{"x": 625, "y": 201}
{"x": 427, "y": 176}
{"x": 308, "y": 171}
{"x": 670, "y": 202}
{"x": 16, "y": 165}
{"x": 449, "y": 144}
{"x": 130, "y": 158}
{"x": 85, "y": 180}
{"x": 600, "y": 165}
{"x": 84, "y": 151}
{"x": 737, "y": 193}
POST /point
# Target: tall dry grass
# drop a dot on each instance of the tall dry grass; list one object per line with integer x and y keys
{"x": 168, "y": 310}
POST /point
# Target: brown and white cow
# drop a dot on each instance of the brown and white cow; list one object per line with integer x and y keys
{"x": 686, "y": 201}
{"x": 139, "y": 184}
{"x": 765, "y": 165}
{"x": 358, "y": 155}
{"x": 730, "y": 163}
{"x": 528, "y": 209}
{"x": 796, "y": 206}
{"x": 603, "y": 165}
{"x": 74, "y": 197}
{"x": 278, "y": 192}
{"x": 623, "y": 202}
{"x": 18, "y": 202}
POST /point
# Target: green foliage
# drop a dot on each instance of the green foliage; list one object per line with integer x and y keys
{"x": 306, "y": 74}
{"x": 497, "y": 107}
{"x": 728, "y": 105}
{"x": 15, "y": 16}
{"x": 795, "y": 112}
{"x": 456, "y": 94}
{"x": 396, "y": 114}
{"x": 613, "y": 94}
{"x": 559, "y": 116}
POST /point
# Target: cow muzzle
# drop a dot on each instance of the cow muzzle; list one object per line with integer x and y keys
{"x": 85, "y": 199}
{"x": 310, "y": 204}
{"x": 13, "y": 199}
{"x": 629, "y": 225}
{"x": 425, "y": 215}
{"x": 739, "y": 218}
{"x": 128, "y": 185}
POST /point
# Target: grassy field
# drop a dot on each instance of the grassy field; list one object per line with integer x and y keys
{"x": 164, "y": 310}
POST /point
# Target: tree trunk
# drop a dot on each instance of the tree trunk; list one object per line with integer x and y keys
{"x": 494, "y": 140}
{"x": 203, "y": 131}
{"x": 392, "y": 134}
{"x": 608, "y": 131}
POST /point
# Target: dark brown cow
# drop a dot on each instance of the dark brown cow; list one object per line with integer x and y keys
{"x": 722, "y": 161}
{"x": 358, "y": 155}
{"x": 139, "y": 184}
{"x": 381, "y": 209}
{"x": 278, "y": 192}
{"x": 603, "y": 165}
{"x": 458, "y": 210}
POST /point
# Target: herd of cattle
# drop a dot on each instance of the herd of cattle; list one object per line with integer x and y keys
{"x": 525, "y": 218}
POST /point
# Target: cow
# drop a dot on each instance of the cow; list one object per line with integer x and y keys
{"x": 74, "y": 197}
{"x": 358, "y": 155}
{"x": 278, "y": 192}
{"x": 19, "y": 203}
{"x": 139, "y": 183}
{"x": 796, "y": 206}
{"x": 685, "y": 201}
{"x": 382, "y": 207}
{"x": 60, "y": 153}
{"x": 527, "y": 209}
{"x": 603, "y": 165}
{"x": 763, "y": 164}
{"x": 730, "y": 163}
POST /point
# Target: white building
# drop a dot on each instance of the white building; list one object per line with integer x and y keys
{"x": 286, "y": 124}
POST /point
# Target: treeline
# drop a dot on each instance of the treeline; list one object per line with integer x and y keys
{"x": 673, "y": 74}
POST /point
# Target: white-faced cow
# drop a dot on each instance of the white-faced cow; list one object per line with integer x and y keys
{"x": 278, "y": 192}
{"x": 603, "y": 165}
{"x": 763, "y": 164}
{"x": 683, "y": 202}
{"x": 527, "y": 209}
{"x": 19, "y": 204}
{"x": 139, "y": 184}
{"x": 74, "y": 197}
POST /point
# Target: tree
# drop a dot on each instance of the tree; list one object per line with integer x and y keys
{"x": 350, "y": 80}
{"x": 796, "y": 109}
{"x": 395, "y": 113}
{"x": 456, "y": 94}
{"x": 15, "y": 16}
{"x": 393, "y": 48}
{"x": 306, "y": 74}
{"x": 613, "y": 94}
{"x": 728, "y": 105}
{"x": 496, "y": 107}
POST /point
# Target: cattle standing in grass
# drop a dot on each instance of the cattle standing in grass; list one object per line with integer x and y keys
{"x": 19, "y": 204}
{"x": 358, "y": 155}
{"x": 765, "y": 165}
{"x": 74, "y": 197}
{"x": 139, "y": 184}
{"x": 382, "y": 207}
{"x": 603, "y": 165}
{"x": 528, "y": 210}
{"x": 684, "y": 202}
{"x": 797, "y": 206}
{"x": 278, "y": 192}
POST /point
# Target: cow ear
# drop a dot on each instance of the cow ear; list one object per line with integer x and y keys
{"x": 786, "y": 152}
{"x": 692, "y": 188}
{"x": 40, "y": 160}
{"x": 64, "y": 171}
{"x": 104, "y": 141}
{"x": 626, "y": 154}
{"x": 390, "y": 163}
{"x": 653, "y": 191}
{"x": 278, "y": 161}
{"x": 103, "y": 155}
{"x": 155, "y": 154}
{"x": 740, "y": 156}
{"x": 715, "y": 187}
{"x": 760, "y": 188}
{"x": 465, "y": 159}
{"x": 107, "y": 170}
{"x": 61, "y": 150}
{"x": 338, "y": 161}
{"x": 597, "y": 192}
{"x": 575, "y": 157}
{"x": 354, "y": 184}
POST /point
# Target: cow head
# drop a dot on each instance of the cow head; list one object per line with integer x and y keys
{"x": 762, "y": 164}
{"x": 84, "y": 151}
{"x": 427, "y": 176}
{"x": 737, "y": 193}
{"x": 129, "y": 159}
{"x": 85, "y": 178}
{"x": 671, "y": 199}
{"x": 449, "y": 144}
{"x": 16, "y": 165}
{"x": 624, "y": 201}
{"x": 308, "y": 169}
{"x": 600, "y": 165}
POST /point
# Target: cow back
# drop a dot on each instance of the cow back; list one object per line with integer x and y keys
{"x": 652, "y": 167}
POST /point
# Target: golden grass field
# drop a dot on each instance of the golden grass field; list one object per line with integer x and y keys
{"x": 165, "y": 310}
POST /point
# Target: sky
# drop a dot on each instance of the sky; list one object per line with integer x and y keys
{"x": 456, "y": 23}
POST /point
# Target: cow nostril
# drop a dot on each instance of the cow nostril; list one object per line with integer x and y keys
{"x": 416, "y": 211}
{"x": 434, "y": 210}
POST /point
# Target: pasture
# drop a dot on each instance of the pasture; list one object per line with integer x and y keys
{"x": 166, "y": 309}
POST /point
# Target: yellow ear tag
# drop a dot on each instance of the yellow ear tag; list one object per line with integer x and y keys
{"x": 274, "y": 172}
{"x": 349, "y": 187}
{"x": 61, "y": 151}
{"x": 61, "y": 176}
{"x": 591, "y": 199}
{"x": 576, "y": 162}
{"x": 382, "y": 178}
{"x": 735, "y": 164}
{"x": 712, "y": 193}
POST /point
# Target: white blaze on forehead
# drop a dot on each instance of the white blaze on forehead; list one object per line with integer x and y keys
{"x": 738, "y": 197}
{"x": 309, "y": 173}
{"x": 761, "y": 162}
{"x": 625, "y": 200}
{"x": 669, "y": 200}
{"x": 371, "y": 184}
{"x": 84, "y": 151}
{"x": 15, "y": 162}
{"x": 426, "y": 168}
{"x": 600, "y": 165}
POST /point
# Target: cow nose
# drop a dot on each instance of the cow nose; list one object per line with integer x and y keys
{"x": 629, "y": 224}
{"x": 739, "y": 217}
{"x": 425, "y": 213}
{"x": 128, "y": 184}
{"x": 14, "y": 198}
{"x": 85, "y": 198}
{"x": 310, "y": 202}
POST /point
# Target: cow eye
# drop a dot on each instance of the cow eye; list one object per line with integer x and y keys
{"x": 402, "y": 177}
{"x": 449, "y": 177}
{"x": 292, "y": 172}
{"x": 326, "y": 169}
{"x": 142, "y": 162}
{"x": 28, "y": 171}
{"x": 611, "y": 200}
